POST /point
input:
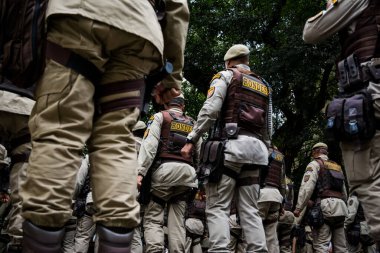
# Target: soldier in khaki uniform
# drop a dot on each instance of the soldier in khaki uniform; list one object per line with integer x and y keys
{"x": 270, "y": 202}
{"x": 104, "y": 48}
{"x": 287, "y": 220}
{"x": 356, "y": 227}
{"x": 324, "y": 180}
{"x": 245, "y": 151}
{"x": 15, "y": 107}
{"x": 357, "y": 22}
{"x": 173, "y": 176}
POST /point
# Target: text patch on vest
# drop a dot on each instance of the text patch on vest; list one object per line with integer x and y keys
{"x": 255, "y": 86}
{"x": 180, "y": 127}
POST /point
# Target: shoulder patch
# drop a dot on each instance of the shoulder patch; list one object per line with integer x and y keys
{"x": 216, "y": 76}
{"x": 350, "y": 202}
{"x": 312, "y": 19}
{"x": 210, "y": 91}
{"x": 306, "y": 178}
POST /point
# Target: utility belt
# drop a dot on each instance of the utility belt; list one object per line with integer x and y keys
{"x": 232, "y": 130}
{"x": 350, "y": 115}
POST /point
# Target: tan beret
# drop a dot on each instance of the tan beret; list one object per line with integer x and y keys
{"x": 236, "y": 51}
{"x": 319, "y": 145}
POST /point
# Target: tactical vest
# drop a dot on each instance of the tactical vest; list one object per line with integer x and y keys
{"x": 275, "y": 165}
{"x": 247, "y": 101}
{"x": 364, "y": 41}
{"x": 330, "y": 181}
{"x": 175, "y": 128}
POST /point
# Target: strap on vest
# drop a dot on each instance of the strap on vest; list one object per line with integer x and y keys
{"x": 231, "y": 173}
{"x": 72, "y": 60}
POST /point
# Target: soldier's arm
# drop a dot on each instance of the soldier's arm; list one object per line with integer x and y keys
{"x": 212, "y": 106}
{"x": 149, "y": 144}
{"x": 175, "y": 31}
{"x": 338, "y": 16}
{"x": 308, "y": 185}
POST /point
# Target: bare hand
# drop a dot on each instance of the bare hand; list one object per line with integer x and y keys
{"x": 163, "y": 95}
{"x": 186, "y": 151}
{"x": 139, "y": 180}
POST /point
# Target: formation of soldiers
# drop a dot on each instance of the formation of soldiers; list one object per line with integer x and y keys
{"x": 176, "y": 184}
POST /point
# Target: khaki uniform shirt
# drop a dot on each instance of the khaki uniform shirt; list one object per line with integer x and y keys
{"x": 150, "y": 143}
{"x": 331, "y": 207}
{"x": 339, "y": 16}
{"x": 244, "y": 149}
{"x": 14, "y": 103}
{"x": 138, "y": 17}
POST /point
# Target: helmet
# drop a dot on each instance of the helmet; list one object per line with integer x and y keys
{"x": 319, "y": 145}
{"x": 140, "y": 125}
{"x": 236, "y": 51}
{"x": 178, "y": 100}
{"x": 3, "y": 155}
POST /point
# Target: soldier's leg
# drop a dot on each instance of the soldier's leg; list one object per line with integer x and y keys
{"x": 363, "y": 174}
{"x": 321, "y": 239}
{"x": 153, "y": 227}
{"x": 136, "y": 244}
{"x": 68, "y": 242}
{"x": 339, "y": 239}
{"x": 251, "y": 223}
{"x": 270, "y": 226}
{"x": 219, "y": 196}
{"x": 354, "y": 249}
{"x": 176, "y": 227}
{"x": 84, "y": 233}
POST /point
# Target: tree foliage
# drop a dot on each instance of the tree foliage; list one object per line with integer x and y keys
{"x": 301, "y": 75}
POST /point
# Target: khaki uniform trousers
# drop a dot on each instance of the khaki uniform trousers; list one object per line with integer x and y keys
{"x": 361, "y": 249}
{"x": 286, "y": 222}
{"x": 196, "y": 228}
{"x": 326, "y": 234}
{"x": 168, "y": 181}
{"x": 136, "y": 244}
{"x": 269, "y": 213}
{"x": 68, "y": 242}
{"x": 63, "y": 120}
{"x": 84, "y": 233}
{"x": 219, "y": 197}
{"x": 13, "y": 126}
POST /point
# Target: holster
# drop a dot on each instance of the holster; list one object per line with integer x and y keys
{"x": 146, "y": 184}
{"x": 315, "y": 216}
{"x": 212, "y": 159}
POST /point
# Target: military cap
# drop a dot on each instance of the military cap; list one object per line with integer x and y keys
{"x": 140, "y": 125}
{"x": 3, "y": 155}
{"x": 320, "y": 145}
{"x": 236, "y": 51}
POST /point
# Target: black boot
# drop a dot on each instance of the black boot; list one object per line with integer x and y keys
{"x": 37, "y": 239}
{"x": 115, "y": 240}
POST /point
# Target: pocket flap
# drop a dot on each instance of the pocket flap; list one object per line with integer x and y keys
{"x": 206, "y": 151}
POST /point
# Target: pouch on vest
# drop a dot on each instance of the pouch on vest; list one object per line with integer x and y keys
{"x": 251, "y": 117}
{"x": 351, "y": 118}
{"x": 358, "y": 117}
{"x": 212, "y": 159}
{"x": 315, "y": 216}
{"x": 176, "y": 142}
{"x": 22, "y": 41}
{"x": 334, "y": 114}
